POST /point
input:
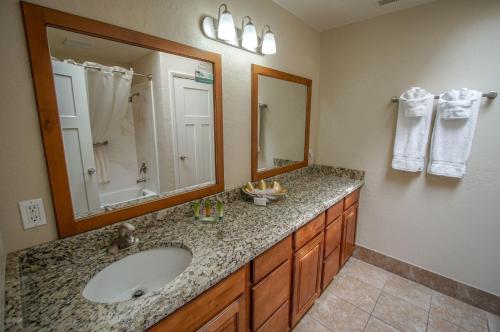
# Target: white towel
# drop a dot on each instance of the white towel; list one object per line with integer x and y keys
{"x": 412, "y": 130}
{"x": 453, "y": 133}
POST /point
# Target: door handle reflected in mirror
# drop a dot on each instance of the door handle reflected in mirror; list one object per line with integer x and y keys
{"x": 182, "y": 157}
{"x": 91, "y": 171}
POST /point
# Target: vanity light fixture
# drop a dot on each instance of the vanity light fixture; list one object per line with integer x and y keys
{"x": 225, "y": 28}
{"x": 268, "y": 42}
{"x": 248, "y": 35}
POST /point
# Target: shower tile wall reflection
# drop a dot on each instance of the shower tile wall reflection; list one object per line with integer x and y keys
{"x": 136, "y": 124}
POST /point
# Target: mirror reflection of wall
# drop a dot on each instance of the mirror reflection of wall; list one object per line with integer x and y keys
{"x": 281, "y": 122}
{"x": 136, "y": 124}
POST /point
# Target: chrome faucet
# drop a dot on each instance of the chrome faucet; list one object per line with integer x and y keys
{"x": 125, "y": 238}
{"x": 143, "y": 168}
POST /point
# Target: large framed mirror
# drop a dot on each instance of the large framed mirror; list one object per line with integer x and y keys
{"x": 281, "y": 108}
{"x": 131, "y": 123}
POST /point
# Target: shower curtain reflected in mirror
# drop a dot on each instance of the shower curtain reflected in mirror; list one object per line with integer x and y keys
{"x": 108, "y": 92}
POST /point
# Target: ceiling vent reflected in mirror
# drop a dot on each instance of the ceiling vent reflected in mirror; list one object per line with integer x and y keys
{"x": 385, "y": 2}
{"x": 70, "y": 42}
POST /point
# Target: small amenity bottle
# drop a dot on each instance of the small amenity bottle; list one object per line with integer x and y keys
{"x": 208, "y": 208}
{"x": 196, "y": 210}
{"x": 219, "y": 208}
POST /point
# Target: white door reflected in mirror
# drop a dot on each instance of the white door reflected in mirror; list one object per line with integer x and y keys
{"x": 136, "y": 124}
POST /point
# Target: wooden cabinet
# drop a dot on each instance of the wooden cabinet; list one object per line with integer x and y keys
{"x": 334, "y": 212}
{"x": 350, "y": 219}
{"x": 331, "y": 262}
{"x": 307, "y": 232}
{"x": 231, "y": 319}
{"x": 331, "y": 266}
{"x": 278, "y": 322}
{"x": 333, "y": 236}
{"x": 275, "y": 291}
{"x": 270, "y": 291}
{"x": 221, "y": 308}
{"x": 269, "y": 294}
{"x": 307, "y": 264}
{"x": 271, "y": 259}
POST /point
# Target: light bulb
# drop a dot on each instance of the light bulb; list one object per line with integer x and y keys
{"x": 249, "y": 35}
{"x": 268, "y": 42}
{"x": 225, "y": 29}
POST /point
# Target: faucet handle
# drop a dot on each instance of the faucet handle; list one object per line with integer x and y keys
{"x": 126, "y": 228}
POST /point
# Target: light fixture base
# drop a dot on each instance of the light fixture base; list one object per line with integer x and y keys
{"x": 208, "y": 26}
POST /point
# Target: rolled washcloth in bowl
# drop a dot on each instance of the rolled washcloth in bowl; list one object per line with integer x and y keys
{"x": 412, "y": 130}
{"x": 453, "y": 133}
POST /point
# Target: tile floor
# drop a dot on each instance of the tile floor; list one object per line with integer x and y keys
{"x": 366, "y": 298}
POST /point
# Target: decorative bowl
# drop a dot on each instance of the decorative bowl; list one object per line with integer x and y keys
{"x": 263, "y": 190}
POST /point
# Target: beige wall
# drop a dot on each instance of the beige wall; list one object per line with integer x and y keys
{"x": 23, "y": 170}
{"x": 447, "y": 226}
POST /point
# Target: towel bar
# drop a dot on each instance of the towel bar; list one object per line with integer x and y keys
{"x": 489, "y": 95}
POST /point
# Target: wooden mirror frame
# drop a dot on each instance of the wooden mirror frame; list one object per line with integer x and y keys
{"x": 36, "y": 20}
{"x": 265, "y": 71}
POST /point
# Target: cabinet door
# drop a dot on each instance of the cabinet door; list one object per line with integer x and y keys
{"x": 306, "y": 277}
{"x": 349, "y": 232}
{"x": 231, "y": 319}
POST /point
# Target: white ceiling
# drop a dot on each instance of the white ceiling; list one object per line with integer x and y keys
{"x": 327, "y": 14}
{"x": 100, "y": 50}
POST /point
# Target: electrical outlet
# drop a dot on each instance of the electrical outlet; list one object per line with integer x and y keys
{"x": 32, "y": 213}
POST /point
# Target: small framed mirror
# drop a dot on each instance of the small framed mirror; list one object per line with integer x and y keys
{"x": 131, "y": 123}
{"x": 281, "y": 107}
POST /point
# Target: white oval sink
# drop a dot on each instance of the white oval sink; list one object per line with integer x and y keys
{"x": 137, "y": 275}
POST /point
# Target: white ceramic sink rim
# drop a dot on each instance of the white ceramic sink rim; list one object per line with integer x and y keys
{"x": 145, "y": 271}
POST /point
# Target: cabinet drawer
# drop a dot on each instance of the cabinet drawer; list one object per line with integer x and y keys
{"x": 269, "y": 294}
{"x": 202, "y": 309}
{"x": 351, "y": 199}
{"x": 334, "y": 212}
{"x": 278, "y": 321}
{"x": 231, "y": 319}
{"x": 331, "y": 266}
{"x": 333, "y": 235}
{"x": 271, "y": 259}
{"x": 308, "y": 231}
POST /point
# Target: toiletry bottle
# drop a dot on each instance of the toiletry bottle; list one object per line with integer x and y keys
{"x": 196, "y": 210}
{"x": 219, "y": 207}
{"x": 208, "y": 208}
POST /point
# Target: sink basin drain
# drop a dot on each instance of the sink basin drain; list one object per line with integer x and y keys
{"x": 138, "y": 293}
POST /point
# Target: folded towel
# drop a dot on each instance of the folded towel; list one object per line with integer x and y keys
{"x": 412, "y": 130}
{"x": 453, "y": 133}
{"x": 416, "y": 102}
{"x": 456, "y": 104}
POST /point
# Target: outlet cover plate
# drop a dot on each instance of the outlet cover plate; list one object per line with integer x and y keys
{"x": 32, "y": 213}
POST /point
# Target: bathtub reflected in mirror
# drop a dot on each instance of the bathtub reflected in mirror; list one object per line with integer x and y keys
{"x": 137, "y": 124}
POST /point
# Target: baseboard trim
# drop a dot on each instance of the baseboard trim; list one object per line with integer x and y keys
{"x": 447, "y": 286}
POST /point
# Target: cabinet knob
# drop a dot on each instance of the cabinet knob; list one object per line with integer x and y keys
{"x": 182, "y": 157}
{"x": 91, "y": 171}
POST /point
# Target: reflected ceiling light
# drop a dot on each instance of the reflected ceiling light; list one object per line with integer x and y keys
{"x": 225, "y": 28}
{"x": 268, "y": 42}
{"x": 249, "y": 34}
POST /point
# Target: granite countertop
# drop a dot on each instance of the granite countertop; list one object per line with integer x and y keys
{"x": 44, "y": 283}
